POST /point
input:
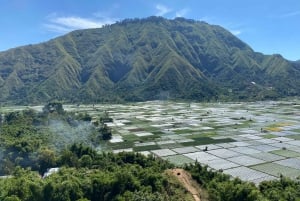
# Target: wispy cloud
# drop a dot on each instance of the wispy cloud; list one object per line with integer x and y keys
{"x": 56, "y": 28}
{"x": 182, "y": 12}
{"x": 66, "y": 24}
{"x": 162, "y": 10}
{"x": 236, "y": 32}
{"x": 235, "y": 28}
{"x": 290, "y": 14}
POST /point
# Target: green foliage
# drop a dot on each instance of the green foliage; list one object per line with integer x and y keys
{"x": 33, "y": 139}
{"x": 84, "y": 174}
{"x": 105, "y": 132}
{"x": 221, "y": 187}
{"x": 153, "y": 58}
{"x": 54, "y": 107}
{"x": 84, "y": 117}
{"x": 283, "y": 189}
{"x": 126, "y": 176}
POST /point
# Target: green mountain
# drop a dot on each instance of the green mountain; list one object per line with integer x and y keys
{"x": 145, "y": 59}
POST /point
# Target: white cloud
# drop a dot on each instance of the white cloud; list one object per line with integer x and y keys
{"x": 290, "y": 14}
{"x": 162, "y": 10}
{"x": 77, "y": 22}
{"x": 182, "y": 12}
{"x": 56, "y": 28}
{"x": 67, "y": 24}
{"x": 236, "y": 32}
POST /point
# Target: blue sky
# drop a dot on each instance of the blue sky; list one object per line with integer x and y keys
{"x": 268, "y": 26}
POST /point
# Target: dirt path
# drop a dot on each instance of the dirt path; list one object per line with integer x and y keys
{"x": 187, "y": 181}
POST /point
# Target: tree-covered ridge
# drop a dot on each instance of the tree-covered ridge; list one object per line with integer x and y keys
{"x": 152, "y": 58}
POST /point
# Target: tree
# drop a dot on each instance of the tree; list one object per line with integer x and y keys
{"x": 46, "y": 159}
{"x": 85, "y": 161}
{"x": 54, "y": 107}
{"x": 105, "y": 132}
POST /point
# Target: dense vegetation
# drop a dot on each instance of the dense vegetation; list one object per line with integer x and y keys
{"x": 29, "y": 146}
{"x": 91, "y": 176}
{"x": 33, "y": 139}
{"x": 153, "y": 58}
{"x": 221, "y": 187}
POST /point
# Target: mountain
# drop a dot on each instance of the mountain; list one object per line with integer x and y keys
{"x": 145, "y": 59}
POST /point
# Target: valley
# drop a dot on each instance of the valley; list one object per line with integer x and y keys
{"x": 255, "y": 141}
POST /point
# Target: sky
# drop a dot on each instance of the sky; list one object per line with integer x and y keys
{"x": 268, "y": 26}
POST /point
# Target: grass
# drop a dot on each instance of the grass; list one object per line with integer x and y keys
{"x": 136, "y": 129}
{"x": 276, "y": 169}
{"x": 269, "y": 136}
{"x": 278, "y": 126}
{"x": 209, "y": 134}
{"x": 121, "y": 145}
{"x": 135, "y": 138}
{"x": 286, "y": 153}
{"x": 274, "y": 129}
{"x": 170, "y": 146}
{"x": 146, "y": 148}
{"x": 206, "y": 134}
{"x": 178, "y": 160}
{"x": 155, "y": 132}
{"x": 151, "y": 129}
{"x": 296, "y": 130}
{"x": 130, "y": 137}
{"x": 181, "y": 192}
{"x": 184, "y": 131}
{"x": 295, "y": 137}
{"x": 206, "y": 140}
{"x": 149, "y": 138}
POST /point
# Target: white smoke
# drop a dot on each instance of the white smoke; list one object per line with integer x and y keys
{"x": 63, "y": 134}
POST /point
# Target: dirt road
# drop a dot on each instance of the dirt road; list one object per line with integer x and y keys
{"x": 187, "y": 181}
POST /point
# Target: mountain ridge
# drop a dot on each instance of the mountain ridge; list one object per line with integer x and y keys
{"x": 141, "y": 59}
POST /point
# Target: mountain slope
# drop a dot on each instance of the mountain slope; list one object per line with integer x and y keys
{"x": 144, "y": 59}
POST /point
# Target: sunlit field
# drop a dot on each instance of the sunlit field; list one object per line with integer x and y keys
{"x": 254, "y": 141}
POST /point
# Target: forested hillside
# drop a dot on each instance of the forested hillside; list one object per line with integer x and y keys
{"x": 145, "y": 59}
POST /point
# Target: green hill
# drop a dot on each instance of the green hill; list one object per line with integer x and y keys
{"x": 145, "y": 59}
